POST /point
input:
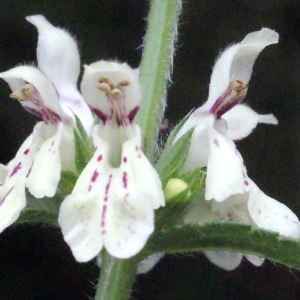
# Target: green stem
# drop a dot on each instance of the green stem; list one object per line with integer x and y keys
{"x": 116, "y": 278}
{"x": 155, "y": 68}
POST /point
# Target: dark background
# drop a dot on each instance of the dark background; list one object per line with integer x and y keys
{"x": 35, "y": 263}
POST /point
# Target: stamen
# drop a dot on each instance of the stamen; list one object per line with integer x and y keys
{"x": 115, "y": 94}
{"x": 118, "y": 111}
{"x": 123, "y": 83}
{"x": 24, "y": 94}
{"x": 237, "y": 85}
{"x": 106, "y": 80}
{"x": 235, "y": 93}
{"x": 104, "y": 87}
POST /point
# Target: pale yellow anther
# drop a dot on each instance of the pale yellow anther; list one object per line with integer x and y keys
{"x": 115, "y": 94}
{"x": 106, "y": 80}
{"x": 104, "y": 87}
{"x": 123, "y": 83}
{"x": 174, "y": 187}
{"x": 23, "y": 94}
{"x": 237, "y": 85}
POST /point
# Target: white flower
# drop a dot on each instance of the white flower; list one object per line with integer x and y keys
{"x": 113, "y": 201}
{"x": 49, "y": 93}
{"x": 252, "y": 208}
{"x": 211, "y": 143}
{"x": 217, "y": 123}
{"x": 241, "y": 120}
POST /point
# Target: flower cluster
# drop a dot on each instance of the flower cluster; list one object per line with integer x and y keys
{"x": 114, "y": 198}
{"x": 230, "y": 195}
{"x": 113, "y": 201}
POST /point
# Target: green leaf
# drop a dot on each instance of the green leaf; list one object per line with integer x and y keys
{"x": 66, "y": 184}
{"x": 46, "y": 210}
{"x": 155, "y": 68}
{"x": 43, "y": 210}
{"x": 173, "y": 158}
{"x": 83, "y": 146}
{"x": 173, "y": 133}
{"x": 195, "y": 180}
{"x": 227, "y": 237}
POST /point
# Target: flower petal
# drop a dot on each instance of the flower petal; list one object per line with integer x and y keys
{"x": 81, "y": 213}
{"x": 129, "y": 222}
{"x": 3, "y": 173}
{"x": 58, "y": 58}
{"x": 79, "y": 218}
{"x": 226, "y": 173}
{"x": 255, "y": 260}
{"x": 57, "y": 53}
{"x": 19, "y": 76}
{"x": 121, "y": 77}
{"x": 200, "y": 211}
{"x": 199, "y": 148}
{"x": 138, "y": 173}
{"x": 149, "y": 263}
{"x": 241, "y": 120}
{"x": 45, "y": 172}
{"x": 237, "y": 62}
{"x": 108, "y": 205}
{"x": 12, "y": 202}
{"x": 269, "y": 214}
{"x": 12, "y": 191}
{"x": 224, "y": 259}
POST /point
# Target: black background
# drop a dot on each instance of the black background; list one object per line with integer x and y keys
{"x": 35, "y": 263}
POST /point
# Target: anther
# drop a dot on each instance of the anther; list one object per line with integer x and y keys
{"x": 104, "y": 87}
{"x": 123, "y": 83}
{"x": 106, "y": 80}
{"x": 237, "y": 85}
{"x": 23, "y": 94}
{"x": 115, "y": 94}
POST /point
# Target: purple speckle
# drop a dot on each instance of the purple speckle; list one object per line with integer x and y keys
{"x": 99, "y": 114}
{"x": 125, "y": 180}
{"x": 3, "y": 199}
{"x": 132, "y": 113}
{"x": 95, "y": 149}
{"x": 108, "y": 184}
{"x": 103, "y": 232}
{"x": 136, "y": 148}
{"x": 246, "y": 182}
{"x": 216, "y": 143}
{"x": 99, "y": 157}
{"x": 94, "y": 177}
{"x": 89, "y": 189}
{"x": 104, "y": 211}
{"x": 29, "y": 171}
{"x": 26, "y": 151}
{"x": 125, "y": 159}
{"x": 33, "y": 111}
{"x": 52, "y": 143}
{"x": 16, "y": 169}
